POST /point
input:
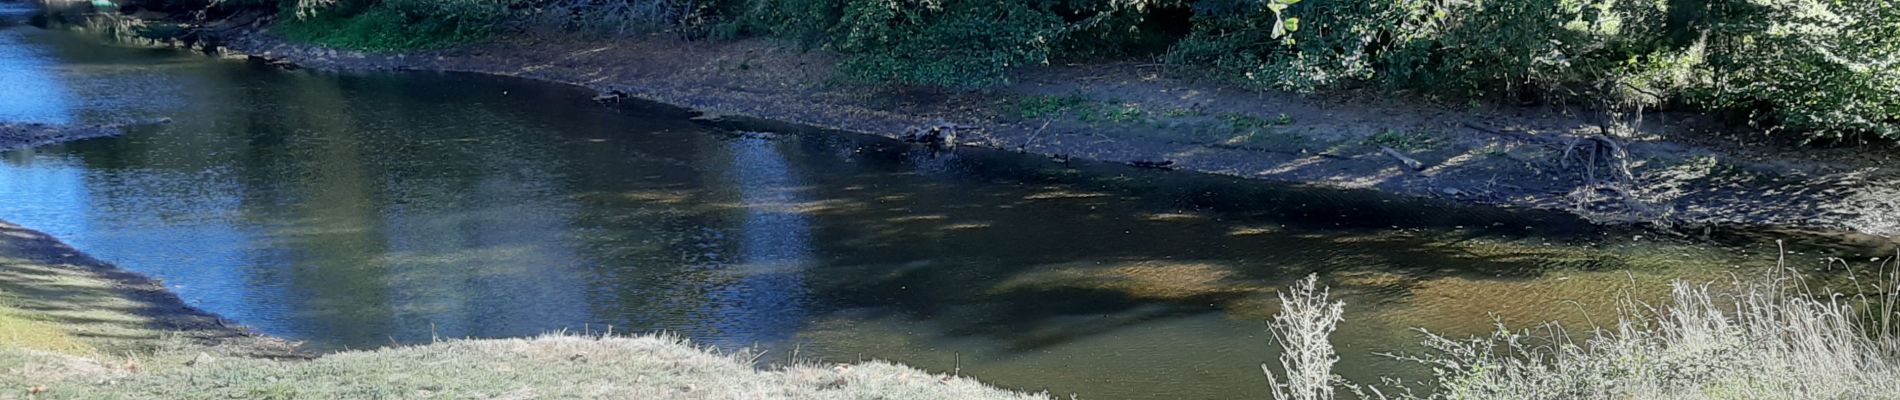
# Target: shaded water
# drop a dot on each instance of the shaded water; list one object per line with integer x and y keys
{"x": 359, "y": 210}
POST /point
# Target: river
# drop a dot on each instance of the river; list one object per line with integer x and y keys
{"x": 358, "y": 210}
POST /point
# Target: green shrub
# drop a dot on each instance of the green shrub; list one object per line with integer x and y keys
{"x": 805, "y": 21}
{"x": 1825, "y": 69}
{"x": 958, "y": 43}
{"x": 1830, "y": 70}
{"x": 398, "y": 24}
{"x": 608, "y": 18}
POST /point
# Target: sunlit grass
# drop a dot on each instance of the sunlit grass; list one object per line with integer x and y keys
{"x": 19, "y": 331}
{"x": 1765, "y": 338}
{"x": 552, "y": 366}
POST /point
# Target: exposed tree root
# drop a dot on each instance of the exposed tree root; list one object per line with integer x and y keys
{"x": 1607, "y": 192}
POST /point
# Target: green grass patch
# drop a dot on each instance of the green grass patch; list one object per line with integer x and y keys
{"x": 1404, "y": 140}
{"x": 17, "y": 330}
{"x": 1241, "y": 121}
{"x": 1046, "y": 106}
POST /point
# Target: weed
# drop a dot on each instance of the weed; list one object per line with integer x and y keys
{"x": 1045, "y": 106}
{"x": 1307, "y": 317}
{"x": 1180, "y": 112}
{"x": 1240, "y": 121}
{"x": 1126, "y": 114}
{"x": 1406, "y": 140}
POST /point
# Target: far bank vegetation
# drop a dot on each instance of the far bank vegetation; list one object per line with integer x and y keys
{"x": 1809, "y": 70}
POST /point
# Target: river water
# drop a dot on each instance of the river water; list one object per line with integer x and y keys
{"x": 357, "y": 210}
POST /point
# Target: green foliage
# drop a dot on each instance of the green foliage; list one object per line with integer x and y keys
{"x": 958, "y": 43}
{"x": 805, "y": 21}
{"x": 1044, "y": 106}
{"x": 1406, "y": 140}
{"x": 608, "y": 18}
{"x": 1826, "y": 69}
{"x": 389, "y": 25}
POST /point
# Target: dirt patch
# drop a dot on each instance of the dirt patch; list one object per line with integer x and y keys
{"x": 1679, "y": 173}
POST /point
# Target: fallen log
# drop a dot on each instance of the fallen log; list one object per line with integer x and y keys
{"x": 1409, "y": 162}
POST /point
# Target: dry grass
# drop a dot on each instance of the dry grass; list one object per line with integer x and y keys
{"x": 553, "y": 366}
{"x": 1306, "y": 318}
{"x": 1765, "y": 338}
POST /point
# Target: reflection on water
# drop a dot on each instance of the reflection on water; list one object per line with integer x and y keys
{"x": 26, "y": 69}
{"x": 764, "y": 301}
{"x": 361, "y": 210}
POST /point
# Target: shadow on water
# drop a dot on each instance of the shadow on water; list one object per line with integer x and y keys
{"x": 357, "y": 210}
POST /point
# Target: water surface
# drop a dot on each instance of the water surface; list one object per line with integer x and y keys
{"x": 361, "y": 210}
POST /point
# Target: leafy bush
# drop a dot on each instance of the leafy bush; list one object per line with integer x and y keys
{"x": 608, "y": 18}
{"x": 949, "y": 43}
{"x": 959, "y": 43}
{"x": 396, "y": 24}
{"x": 1826, "y": 69}
{"x": 806, "y": 21}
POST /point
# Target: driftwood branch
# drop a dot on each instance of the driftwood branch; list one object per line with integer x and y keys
{"x": 1409, "y": 162}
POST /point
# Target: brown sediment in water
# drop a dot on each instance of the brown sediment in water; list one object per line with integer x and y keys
{"x": 24, "y": 135}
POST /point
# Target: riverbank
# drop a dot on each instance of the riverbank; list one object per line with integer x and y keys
{"x": 74, "y": 327}
{"x": 1683, "y": 172}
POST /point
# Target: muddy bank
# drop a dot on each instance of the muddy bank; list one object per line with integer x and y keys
{"x": 1682, "y": 171}
{"x": 1679, "y": 172}
{"x": 111, "y": 309}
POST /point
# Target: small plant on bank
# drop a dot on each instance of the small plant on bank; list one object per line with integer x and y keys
{"x": 1126, "y": 114}
{"x": 1307, "y": 318}
{"x": 1403, "y": 140}
{"x": 1180, "y": 112}
{"x": 1241, "y": 121}
{"x": 1046, "y": 106}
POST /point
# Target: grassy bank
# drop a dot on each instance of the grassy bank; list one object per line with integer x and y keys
{"x": 645, "y": 367}
{"x": 74, "y": 328}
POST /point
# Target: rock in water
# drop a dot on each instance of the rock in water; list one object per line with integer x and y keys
{"x": 938, "y": 133}
{"x": 1163, "y": 164}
